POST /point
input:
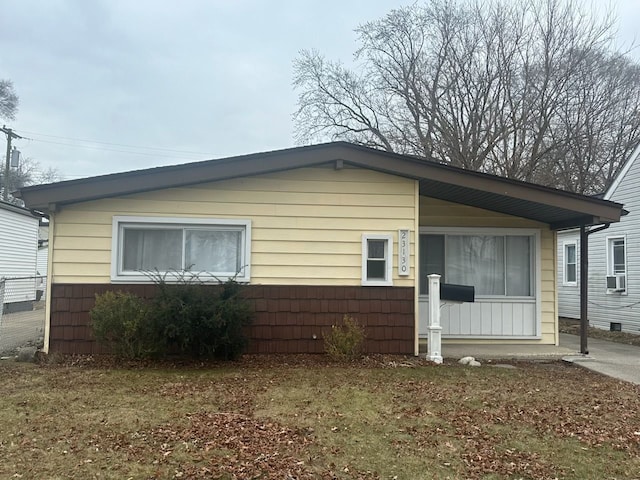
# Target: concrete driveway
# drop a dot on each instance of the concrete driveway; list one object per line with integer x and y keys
{"x": 20, "y": 329}
{"x": 613, "y": 359}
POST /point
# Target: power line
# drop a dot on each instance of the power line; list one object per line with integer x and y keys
{"x": 90, "y": 147}
{"x": 114, "y": 144}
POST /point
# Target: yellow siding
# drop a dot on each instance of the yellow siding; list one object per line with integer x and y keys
{"x": 307, "y": 224}
{"x": 438, "y": 213}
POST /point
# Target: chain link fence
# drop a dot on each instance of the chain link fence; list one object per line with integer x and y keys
{"x": 22, "y": 313}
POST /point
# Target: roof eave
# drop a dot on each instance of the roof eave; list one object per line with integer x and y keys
{"x": 93, "y": 188}
{"x": 585, "y": 221}
{"x": 574, "y": 208}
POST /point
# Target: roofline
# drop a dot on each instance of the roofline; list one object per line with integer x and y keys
{"x": 181, "y": 166}
{"x": 627, "y": 166}
{"x": 169, "y": 171}
{"x": 286, "y": 151}
{"x": 17, "y": 209}
{"x": 48, "y": 196}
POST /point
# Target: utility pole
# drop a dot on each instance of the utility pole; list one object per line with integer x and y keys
{"x": 10, "y": 135}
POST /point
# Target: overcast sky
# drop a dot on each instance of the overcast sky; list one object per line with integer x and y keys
{"x": 211, "y": 77}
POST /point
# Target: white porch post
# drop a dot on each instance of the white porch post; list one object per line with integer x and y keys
{"x": 434, "y": 346}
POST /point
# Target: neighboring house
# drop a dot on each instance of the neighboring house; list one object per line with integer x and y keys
{"x": 614, "y": 262}
{"x": 18, "y": 250}
{"x": 42, "y": 258}
{"x": 317, "y": 232}
{"x": 568, "y": 254}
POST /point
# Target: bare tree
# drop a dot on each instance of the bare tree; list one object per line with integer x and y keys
{"x": 29, "y": 172}
{"x": 527, "y": 89}
{"x": 8, "y": 100}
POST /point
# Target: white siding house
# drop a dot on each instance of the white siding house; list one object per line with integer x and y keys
{"x": 42, "y": 259}
{"x": 18, "y": 251}
{"x": 614, "y": 262}
{"x": 568, "y": 255}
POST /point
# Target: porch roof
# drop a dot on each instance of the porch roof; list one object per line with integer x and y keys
{"x": 557, "y": 208}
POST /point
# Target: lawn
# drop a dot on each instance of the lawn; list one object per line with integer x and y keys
{"x": 304, "y": 417}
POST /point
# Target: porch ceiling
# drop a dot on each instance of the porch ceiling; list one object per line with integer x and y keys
{"x": 542, "y": 211}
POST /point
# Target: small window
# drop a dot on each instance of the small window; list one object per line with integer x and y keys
{"x": 617, "y": 255}
{"x": 570, "y": 264}
{"x": 376, "y": 260}
{"x": 616, "y": 265}
{"x": 212, "y": 249}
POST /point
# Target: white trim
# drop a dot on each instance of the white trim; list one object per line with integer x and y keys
{"x": 449, "y": 337}
{"x": 609, "y": 262}
{"x": 48, "y": 300}
{"x": 532, "y": 232}
{"x": 627, "y": 166}
{"x": 537, "y": 235}
{"x": 566, "y": 244}
{"x": 119, "y": 221}
{"x": 388, "y": 256}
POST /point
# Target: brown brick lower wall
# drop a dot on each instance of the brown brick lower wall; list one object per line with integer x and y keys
{"x": 288, "y": 319}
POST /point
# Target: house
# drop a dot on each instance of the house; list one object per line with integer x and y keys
{"x": 42, "y": 258}
{"x": 614, "y": 261}
{"x": 317, "y": 232}
{"x": 18, "y": 249}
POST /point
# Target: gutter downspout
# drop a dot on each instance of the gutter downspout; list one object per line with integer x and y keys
{"x": 584, "y": 283}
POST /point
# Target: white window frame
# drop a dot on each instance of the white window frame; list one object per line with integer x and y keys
{"x": 609, "y": 249}
{"x": 536, "y": 299}
{"x": 388, "y": 256}
{"x": 565, "y": 245}
{"x": 117, "y": 239}
{"x": 536, "y": 266}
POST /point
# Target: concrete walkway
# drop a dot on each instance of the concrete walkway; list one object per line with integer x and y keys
{"x": 504, "y": 352}
{"x": 616, "y": 360}
{"x": 613, "y": 359}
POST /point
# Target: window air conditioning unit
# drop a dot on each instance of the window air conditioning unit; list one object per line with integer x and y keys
{"x": 617, "y": 283}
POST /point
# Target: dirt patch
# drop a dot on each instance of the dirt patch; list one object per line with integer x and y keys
{"x": 572, "y": 326}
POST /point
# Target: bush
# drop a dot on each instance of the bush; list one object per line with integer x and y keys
{"x": 188, "y": 318}
{"x": 199, "y": 320}
{"x": 121, "y": 321}
{"x": 345, "y": 342}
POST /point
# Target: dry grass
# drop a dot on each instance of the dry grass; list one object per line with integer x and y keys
{"x": 303, "y": 417}
{"x": 572, "y": 326}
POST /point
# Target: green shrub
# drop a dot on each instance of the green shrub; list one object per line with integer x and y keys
{"x": 188, "y": 318}
{"x": 121, "y": 321}
{"x": 345, "y": 342}
{"x": 200, "y": 320}
{"x": 236, "y": 315}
